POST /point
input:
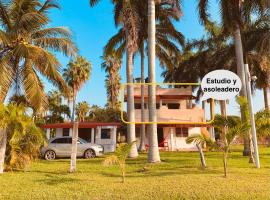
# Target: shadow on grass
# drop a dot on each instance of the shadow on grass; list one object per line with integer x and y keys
{"x": 51, "y": 179}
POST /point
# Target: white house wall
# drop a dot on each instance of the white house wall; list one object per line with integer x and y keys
{"x": 59, "y": 132}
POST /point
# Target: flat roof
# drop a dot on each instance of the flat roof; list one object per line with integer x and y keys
{"x": 81, "y": 124}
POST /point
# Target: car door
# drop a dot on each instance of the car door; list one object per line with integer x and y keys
{"x": 59, "y": 146}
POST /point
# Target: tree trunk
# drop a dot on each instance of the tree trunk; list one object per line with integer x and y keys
{"x": 265, "y": 96}
{"x": 203, "y": 163}
{"x": 3, "y": 144}
{"x": 225, "y": 164}
{"x": 131, "y": 136}
{"x": 153, "y": 155}
{"x": 142, "y": 130}
{"x": 241, "y": 74}
{"x": 74, "y": 136}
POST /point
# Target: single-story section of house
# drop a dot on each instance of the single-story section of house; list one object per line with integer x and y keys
{"x": 102, "y": 133}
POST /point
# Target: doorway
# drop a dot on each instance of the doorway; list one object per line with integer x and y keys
{"x": 160, "y": 137}
{"x": 85, "y": 133}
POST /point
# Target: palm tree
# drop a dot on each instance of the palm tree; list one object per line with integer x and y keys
{"x": 129, "y": 18}
{"x": 112, "y": 64}
{"x": 165, "y": 43}
{"x": 82, "y": 109}
{"x": 234, "y": 14}
{"x": 77, "y": 73}
{"x": 20, "y": 138}
{"x": 26, "y": 43}
{"x": 57, "y": 110}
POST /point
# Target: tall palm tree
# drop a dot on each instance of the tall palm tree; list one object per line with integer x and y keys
{"x": 129, "y": 19}
{"x": 165, "y": 43}
{"x": 233, "y": 14}
{"x": 112, "y": 64}
{"x": 26, "y": 44}
{"x": 82, "y": 109}
{"x": 77, "y": 73}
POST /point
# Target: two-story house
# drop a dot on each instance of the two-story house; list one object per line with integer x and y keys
{"x": 173, "y": 105}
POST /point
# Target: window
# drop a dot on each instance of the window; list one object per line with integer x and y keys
{"x": 66, "y": 132}
{"x": 157, "y": 106}
{"x": 137, "y": 106}
{"x": 181, "y": 132}
{"x": 173, "y": 106}
{"x": 105, "y": 133}
{"x": 138, "y": 132}
{"x": 62, "y": 141}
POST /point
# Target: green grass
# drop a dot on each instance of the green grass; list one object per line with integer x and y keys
{"x": 178, "y": 177}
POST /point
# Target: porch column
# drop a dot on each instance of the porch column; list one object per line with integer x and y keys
{"x": 70, "y": 132}
{"x": 171, "y": 139}
{"x": 48, "y": 133}
{"x": 92, "y": 135}
{"x": 113, "y": 130}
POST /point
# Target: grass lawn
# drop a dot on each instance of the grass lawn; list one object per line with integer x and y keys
{"x": 178, "y": 177}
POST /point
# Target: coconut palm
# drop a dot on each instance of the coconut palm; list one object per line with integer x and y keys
{"x": 27, "y": 44}
{"x": 233, "y": 14}
{"x": 119, "y": 158}
{"x": 112, "y": 64}
{"x": 77, "y": 73}
{"x": 200, "y": 141}
{"x": 82, "y": 109}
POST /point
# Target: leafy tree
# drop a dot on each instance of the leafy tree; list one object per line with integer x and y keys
{"x": 82, "y": 110}
{"x": 27, "y": 44}
{"x": 119, "y": 158}
{"x": 57, "y": 110}
{"x": 77, "y": 73}
{"x": 21, "y": 139}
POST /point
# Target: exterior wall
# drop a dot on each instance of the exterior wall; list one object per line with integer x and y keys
{"x": 108, "y": 144}
{"x": 59, "y": 132}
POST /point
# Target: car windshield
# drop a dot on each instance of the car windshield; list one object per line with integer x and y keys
{"x": 83, "y": 141}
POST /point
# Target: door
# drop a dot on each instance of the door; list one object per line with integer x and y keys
{"x": 160, "y": 137}
{"x": 62, "y": 146}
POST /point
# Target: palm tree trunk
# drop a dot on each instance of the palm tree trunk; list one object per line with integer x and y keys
{"x": 225, "y": 163}
{"x": 131, "y": 136}
{"x": 142, "y": 130}
{"x": 153, "y": 155}
{"x": 203, "y": 163}
{"x": 74, "y": 136}
{"x": 241, "y": 74}
{"x": 265, "y": 96}
{"x": 3, "y": 144}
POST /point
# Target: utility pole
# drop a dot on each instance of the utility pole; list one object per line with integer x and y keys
{"x": 252, "y": 120}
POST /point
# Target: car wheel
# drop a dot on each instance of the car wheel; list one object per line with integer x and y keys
{"x": 50, "y": 155}
{"x": 89, "y": 153}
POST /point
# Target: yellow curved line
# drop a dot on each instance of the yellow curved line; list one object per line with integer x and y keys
{"x": 177, "y": 123}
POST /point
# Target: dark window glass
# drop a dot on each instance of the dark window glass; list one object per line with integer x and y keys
{"x": 181, "y": 132}
{"x": 105, "y": 133}
{"x": 157, "y": 106}
{"x": 66, "y": 132}
{"x": 68, "y": 140}
{"x": 60, "y": 141}
{"x": 173, "y": 105}
{"x": 137, "y": 106}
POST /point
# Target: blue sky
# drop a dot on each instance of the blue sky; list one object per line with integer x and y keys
{"x": 92, "y": 27}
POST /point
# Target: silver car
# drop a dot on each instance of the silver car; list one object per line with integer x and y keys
{"x": 61, "y": 147}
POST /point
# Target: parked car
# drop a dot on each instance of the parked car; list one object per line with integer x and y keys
{"x": 61, "y": 147}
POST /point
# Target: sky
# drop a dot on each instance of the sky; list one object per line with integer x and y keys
{"x": 93, "y": 27}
